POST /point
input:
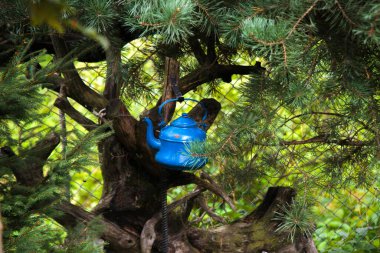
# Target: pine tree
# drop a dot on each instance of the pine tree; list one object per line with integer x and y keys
{"x": 314, "y": 62}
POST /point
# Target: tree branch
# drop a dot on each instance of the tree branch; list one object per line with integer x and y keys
{"x": 254, "y": 233}
{"x": 197, "y": 50}
{"x": 325, "y": 140}
{"x": 211, "y": 52}
{"x": 203, "y": 204}
{"x": 75, "y": 88}
{"x": 204, "y": 74}
{"x": 213, "y": 108}
{"x": 120, "y": 239}
{"x": 65, "y": 106}
{"x": 73, "y": 38}
{"x": 171, "y": 79}
{"x": 113, "y": 78}
{"x": 123, "y": 123}
{"x": 214, "y": 71}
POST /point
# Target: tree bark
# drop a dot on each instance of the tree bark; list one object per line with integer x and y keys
{"x": 255, "y": 232}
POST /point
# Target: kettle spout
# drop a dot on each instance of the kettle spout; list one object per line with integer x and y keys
{"x": 152, "y": 141}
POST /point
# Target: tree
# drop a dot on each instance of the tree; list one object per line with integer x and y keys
{"x": 316, "y": 59}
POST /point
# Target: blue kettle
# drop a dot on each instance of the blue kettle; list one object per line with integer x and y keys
{"x": 174, "y": 140}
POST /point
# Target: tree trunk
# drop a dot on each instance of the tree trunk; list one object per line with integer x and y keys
{"x": 131, "y": 200}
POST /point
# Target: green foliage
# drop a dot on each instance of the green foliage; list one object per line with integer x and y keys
{"x": 354, "y": 227}
{"x": 139, "y": 71}
{"x": 368, "y": 28}
{"x": 41, "y": 235}
{"x": 18, "y": 94}
{"x": 24, "y": 209}
{"x": 21, "y": 206}
{"x": 196, "y": 153}
{"x": 85, "y": 238}
{"x": 295, "y": 220}
{"x": 262, "y": 29}
{"x": 97, "y": 14}
{"x": 173, "y": 19}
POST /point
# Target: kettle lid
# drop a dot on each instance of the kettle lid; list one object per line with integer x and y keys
{"x": 184, "y": 122}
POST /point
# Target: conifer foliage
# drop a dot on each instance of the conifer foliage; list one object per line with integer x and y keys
{"x": 314, "y": 70}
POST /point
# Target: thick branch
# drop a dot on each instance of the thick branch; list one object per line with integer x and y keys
{"x": 212, "y": 106}
{"x": 211, "y": 52}
{"x": 124, "y": 123}
{"x": 113, "y": 79}
{"x": 171, "y": 79}
{"x": 197, "y": 50}
{"x": 121, "y": 240}
{"x": 204, "y": 74}
{"x": 75, "y": 88}
{"x": 72, "y": 38}
{"x": 214, "y": 71}
{"x": 65, "y": 106}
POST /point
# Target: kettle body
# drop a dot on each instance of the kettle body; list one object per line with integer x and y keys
{"x": 175, "y": 140}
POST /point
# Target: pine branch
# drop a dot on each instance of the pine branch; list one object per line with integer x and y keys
{"x": 344, "y": 13}
{"x": 211, "y": 72}
{"x": 322, "y": 139}
{"x": 204, "y": 74}
{"x": 76, "y": 88}
{"x": 301, "y": 18}
{"x": 65, "y": 106}
{"x": 73, "y": 38}
{"x": 282, "y": 40}
{"x": 203, "y": 204}
{"x": 326, "y": 140}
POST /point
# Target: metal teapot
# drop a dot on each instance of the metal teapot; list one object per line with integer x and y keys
{"x": 174, "y": 140}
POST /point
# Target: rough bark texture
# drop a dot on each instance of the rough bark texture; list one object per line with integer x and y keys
{"x": 255, "y": 232}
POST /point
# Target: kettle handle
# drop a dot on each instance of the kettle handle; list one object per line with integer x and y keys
{"x": 177, "y": 99}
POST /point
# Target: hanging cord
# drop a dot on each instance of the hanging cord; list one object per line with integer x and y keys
{"x": 164, "y": 213}
{"x": 62, "y": 122}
